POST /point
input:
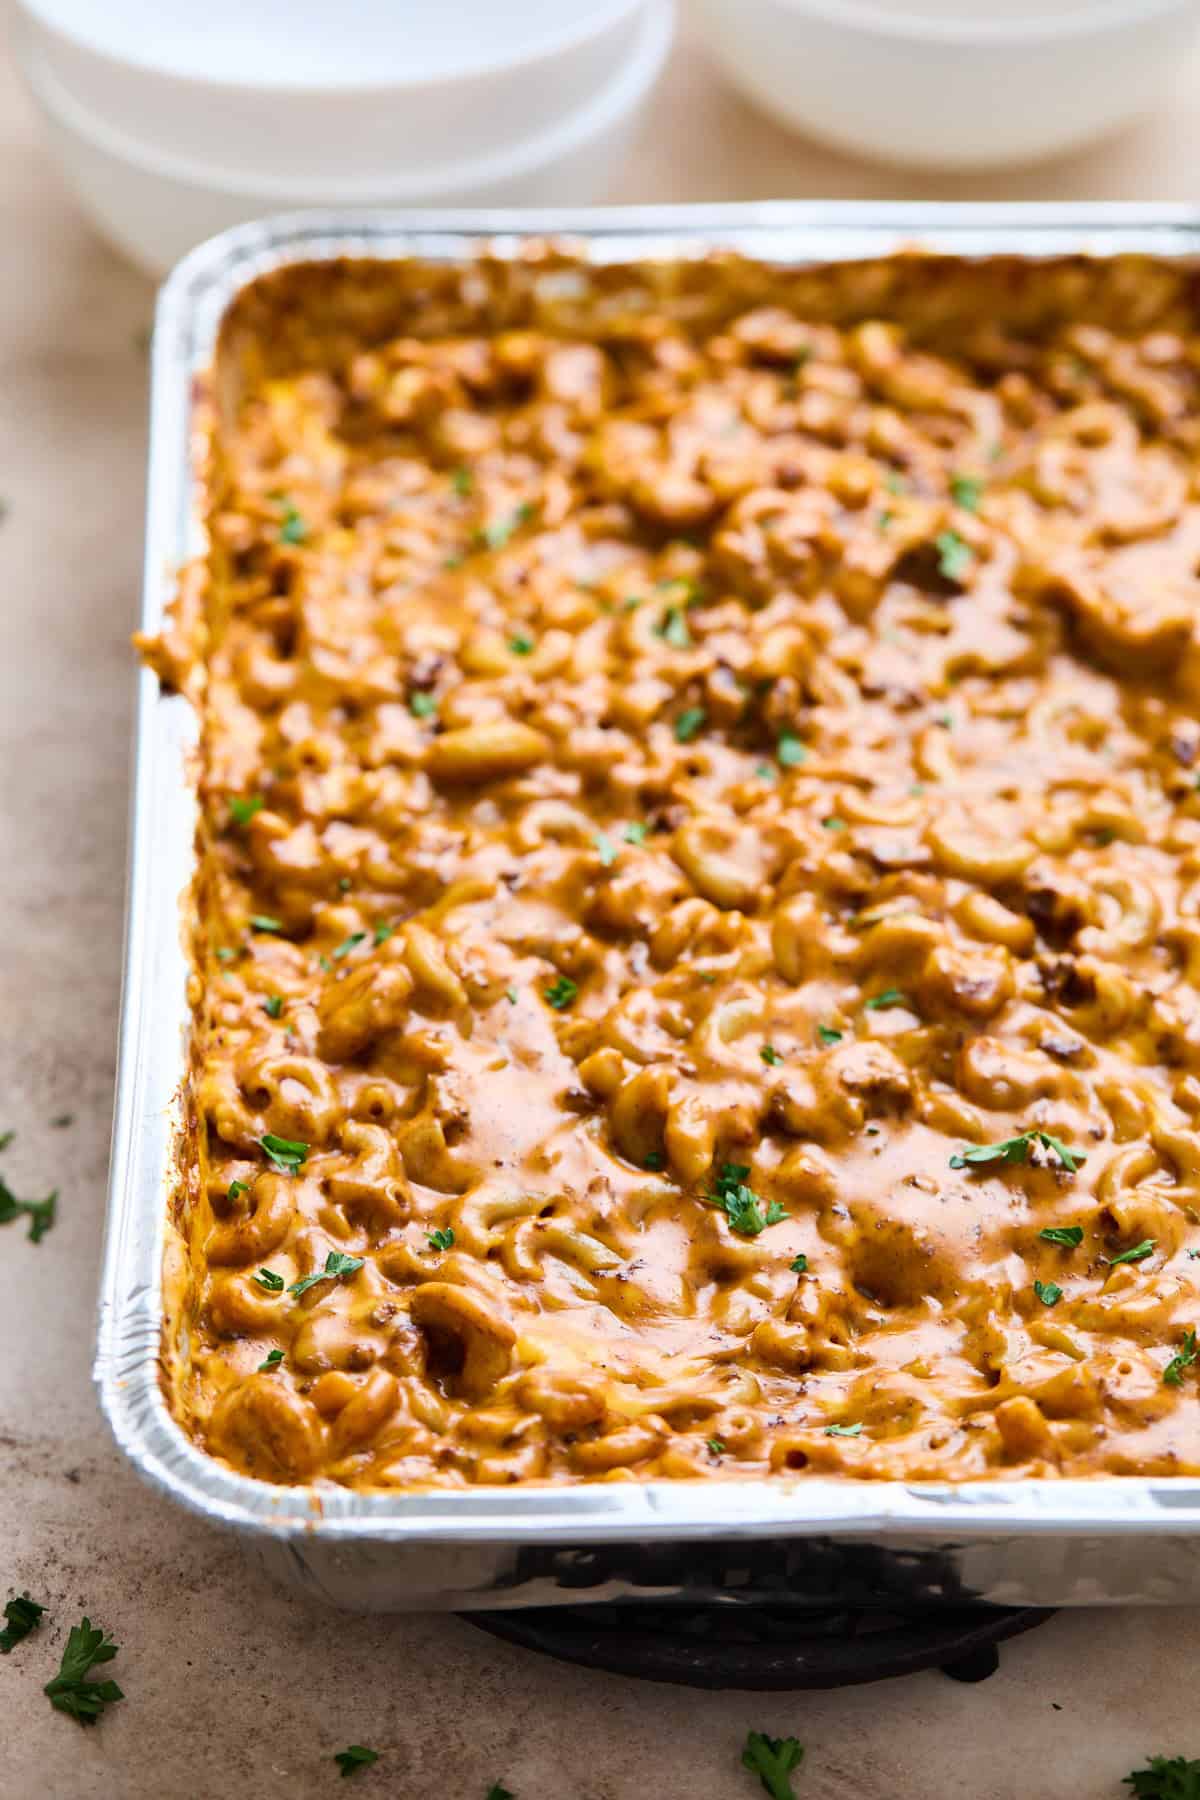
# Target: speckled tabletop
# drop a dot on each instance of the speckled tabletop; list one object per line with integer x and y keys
{"x": 233, "y": 1688}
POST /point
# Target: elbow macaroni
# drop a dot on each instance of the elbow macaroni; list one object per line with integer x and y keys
{"x": 677, "y": 772}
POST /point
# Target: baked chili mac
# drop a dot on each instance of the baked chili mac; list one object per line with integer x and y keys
{"x": 697, "y": 922}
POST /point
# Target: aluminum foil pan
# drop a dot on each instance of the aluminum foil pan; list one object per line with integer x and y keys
{"x": 1044, "y": 1543}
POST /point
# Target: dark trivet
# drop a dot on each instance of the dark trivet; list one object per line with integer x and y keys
{"x": 772, "y": 1648}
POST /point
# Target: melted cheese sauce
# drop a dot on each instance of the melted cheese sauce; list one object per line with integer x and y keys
{"x": 668, "y": 793}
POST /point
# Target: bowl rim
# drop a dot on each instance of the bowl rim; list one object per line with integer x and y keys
{"x": 1088, "y": 19}
{"x": 619, "y": 96}
{"x": 557, "y": 42}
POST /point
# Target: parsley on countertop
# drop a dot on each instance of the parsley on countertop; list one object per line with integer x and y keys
{"x": 355, "y": 1757}
{"x": 23, "y": 1615}
{"x": 70, "y": 1692}
{"x": 773, "y": 1760}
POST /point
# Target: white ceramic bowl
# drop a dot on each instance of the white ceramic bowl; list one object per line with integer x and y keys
{"x": 932, "y": 84}
{"x": 156, "y": 209}
{"x": 356, "y": 90}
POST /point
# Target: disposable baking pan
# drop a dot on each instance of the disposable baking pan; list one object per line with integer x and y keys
{"x": 1037, "y": 1542}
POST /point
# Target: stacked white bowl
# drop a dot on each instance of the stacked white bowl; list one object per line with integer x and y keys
{"x": 172, "y": 120}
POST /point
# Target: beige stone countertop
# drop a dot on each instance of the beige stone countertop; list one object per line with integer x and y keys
{"x": 233, "y": 1687}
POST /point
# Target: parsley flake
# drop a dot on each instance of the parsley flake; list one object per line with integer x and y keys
{"x": 383, "y": 931}
{"x": 422, "y": 705}
{"x": 834, "y": 824}
{"x": 740, "y": 1204}
{"x": 520, "y": 643}
{"x": 355, "y": 1757}
{"x": 293, "y": 530}
{"x": 716, "y": 1445}
{"x": 799, "y": 1264}
{"x": 690, "y": 724}
{"x": 828, "y": 1035}
{"x": 273, "y": 1360}
{"x": 23, "y": 1615}
{"x": 966, "y": 491}
{"x": 241, "y": 811}
{"x": 889, "y": 997}
{"x": 674, "y": 630}
{"x": 1048, "y": 1292}
{"x": 773, "y": 1760}
{"x": 510, "y": 994}
{"x": 1139, "y": 1253}
{"x": 496, "y": 1792}
{"x": 462, "y": 481}
{"x": 844, "y": 1430}
{"x": 655, "y": 1160}
{"x": 954, "y": 556}
{"x": 1177, "y": 1779}
{"x": 442, "y": 1239}
{"x": 69, "y": 1692}
{"x": 1183, "y": 1359}
{"x": 1016, "y": 1150}
{"x": 264, "y": 922}
{"x": 236, "y": 1189}
{"x": 40, "y": 1213}
{"x": 635, "y": 833}
{"x": 606, "y": 850}
{"x": 770, "y": 1055}
{"x": 496, "y": 533}
{"x": 561, "y": 993}
{"x": 336, "y": 1263}
{"x": 285, "y": 1154}
{"x": 790, "y": 751}
{"x": 268, "y": 1281}
{"x": 273, "y": 1005}
{"x": 348, "y": 944}
{"x": 6, "y": 1138}
{"x": 1069, "y": 1236}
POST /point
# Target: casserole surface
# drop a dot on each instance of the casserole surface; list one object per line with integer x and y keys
{"x": 697, "y": 862}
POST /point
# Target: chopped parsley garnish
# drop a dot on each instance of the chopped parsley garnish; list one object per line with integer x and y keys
{"x": 764, "y": 771}
{"x": 799, "y": 1264}
{"x": 496, "y": 1792}
{"x": 834, "y": 824}
{"x": 773, "y": 1760}
{"x": 495, "y": 534}
{"x": 1183, "y": 1359}
{"x": 69, "y": 1692}
{"x": 273, "y": 1005}
{"x": 6, "y": 1138}
{"x": 1069, "y": 1236}
{"x": 1139, "y": 1253}
{"x": 954, "y": 556}
{"x": 828, "y": 1035}
{"x": 242, "y": 811}
{"x": 383, "y": 931}
{"x": 336, "y": 1263}
{"x": 1016, "y": 1150}
{"x": 655, "y": 1160}
{"x": 442, "y": 1239}
{"x": 422, "y": 705}
{"x": 236, "y": 1189}
{"x": 225, "y": 955}
{"x": 520, "y": 643}
{"x": 790, "y": 751}
{"x": 716, "y": 1445}
{"x": 894, "y": 482}
{"x": 355, "y": 1757}
{"x": 285, "y": 1154}
{"x": 561, "y": 993}
{"x": 690, "y": 724}
{"x": 348, "y": 944}
{"x": 843, "y": 1430}
{"x": 268, "y": 1281}
{"x": 635, "y": 833}
{"x": 264, "y": 922}
{"x": 1048, "y": 1292}
{"x": 273, "y": 1360}
{"x": 1176, "y": 1779}
{"x": 674, "y": 630}
{"x": 510, "y": 994}
{"x": 967, "y": 491}
{"x": 40, "y": 1213}
{"x": 23, "y": 1615}
{"x": 463, "y": 482}
{"x": 293, "y": 529}
{"x": 740, "y": 1204}
{"x": 606, "y": 850}
{"x": 770, "y": 1055}
{"x": 889, "y": 997}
